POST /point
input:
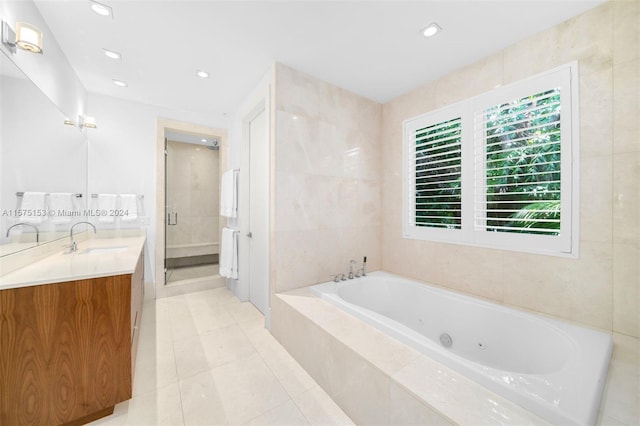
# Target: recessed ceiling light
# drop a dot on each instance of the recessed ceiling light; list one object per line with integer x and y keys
{"x": 203, "y": 140}
{"x": 431, "y": 30}
{"x": 202, "y": 74}
{"x": 112, "y": 54}
{"x": 101, "y": 9}
{"x": 119, "y": 83}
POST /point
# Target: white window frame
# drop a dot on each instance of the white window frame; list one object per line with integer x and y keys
{"x": 566, "y": 243}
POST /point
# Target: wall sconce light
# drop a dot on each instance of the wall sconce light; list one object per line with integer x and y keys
{"x": 26, "y": 37}
{"x": 87, "y": 121}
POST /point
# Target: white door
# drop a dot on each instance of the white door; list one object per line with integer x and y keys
{"x": 259, "y": 213}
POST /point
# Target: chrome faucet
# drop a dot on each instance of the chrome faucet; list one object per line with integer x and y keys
{"x": 25, "y": 224}
{"x": 74, "y": 247}
{"x": 352, "y": 263}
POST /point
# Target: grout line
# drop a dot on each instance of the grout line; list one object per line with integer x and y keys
{"x": 298, "y": 405}
{"x": 275, "y": 408}
{"x": 175, "y": 364}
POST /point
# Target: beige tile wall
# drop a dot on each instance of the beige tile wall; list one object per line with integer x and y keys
{"x": 328, "y": 186}
{"x": 601, "y": 287}
{"x": 192, "y": 192}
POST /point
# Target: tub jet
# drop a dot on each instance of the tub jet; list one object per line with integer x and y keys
{"x": 446, "y": 340}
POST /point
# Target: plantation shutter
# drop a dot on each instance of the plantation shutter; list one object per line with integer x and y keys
{"x": 438, "y": 161}
{"x": 499, "y": 169}
{"x": 434, "y": 166}
{"x": 520, "y": 160}
{"x": 523, "y": 164}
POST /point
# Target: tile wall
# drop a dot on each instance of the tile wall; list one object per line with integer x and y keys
{"x": 328, "y": 186}
{"x": 192, "y": 193}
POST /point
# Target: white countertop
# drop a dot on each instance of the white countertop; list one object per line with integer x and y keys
{"x": 61, "y": 266}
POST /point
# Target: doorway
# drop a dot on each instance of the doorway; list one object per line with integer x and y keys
{"x": 258, "y": 206}
{"x": 254, "y": 210}
{"x": 192, "y": 220}
{"x": 173, "y": 277}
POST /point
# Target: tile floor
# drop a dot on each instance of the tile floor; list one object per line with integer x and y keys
{"x": 191, "y": 272}
{"x": 205, "y": 359}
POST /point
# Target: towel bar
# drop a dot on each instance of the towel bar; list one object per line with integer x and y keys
{"x": 140, "y": 197}
{"x": 21, "y": 194}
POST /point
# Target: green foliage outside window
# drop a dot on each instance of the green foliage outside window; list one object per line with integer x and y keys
{"x": 523, "y": 165}
{"x": 522, "y": 168}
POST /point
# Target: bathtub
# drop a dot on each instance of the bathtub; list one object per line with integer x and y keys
{"x": 552, "y": 368}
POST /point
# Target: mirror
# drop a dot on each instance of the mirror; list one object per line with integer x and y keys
{"x": 38, "y": 154}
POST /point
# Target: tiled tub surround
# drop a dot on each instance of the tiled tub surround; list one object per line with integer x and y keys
{"x": 376, "y": 379}
{"x": 555, "y": 369}
{"x": 379, "y": 380}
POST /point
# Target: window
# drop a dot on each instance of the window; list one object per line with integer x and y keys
{"x": 497, "y": 170}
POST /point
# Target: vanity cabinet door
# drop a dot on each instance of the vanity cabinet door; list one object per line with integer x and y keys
{"x": 65, "y": 350}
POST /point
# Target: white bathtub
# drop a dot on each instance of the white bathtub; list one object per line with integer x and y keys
{"x": 554, "y": 369}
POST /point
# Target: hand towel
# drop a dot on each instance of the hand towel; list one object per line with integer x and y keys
{"x": 229, "y": 253}
{"x": 60, "y": 202}
{"x": 106, "y": 207}
{"x": 33, "y": 207}
{"x": 229, "y": 194}
{"x": 129, "y": 203}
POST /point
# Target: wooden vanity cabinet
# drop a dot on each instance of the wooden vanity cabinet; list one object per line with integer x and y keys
{"x": 66, "y": 349}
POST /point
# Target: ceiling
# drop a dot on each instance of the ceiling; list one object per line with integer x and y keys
{"x": 373, "y": 48}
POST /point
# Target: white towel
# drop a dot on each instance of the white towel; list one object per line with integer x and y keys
{"x": 229, "y": 253}
{"x": 58, "y": 202}
{"x": 106, "y": 206}
{"x": 129, "y": 203}
{"x": 229, "y": 194}
{"x": 33, "y": 206}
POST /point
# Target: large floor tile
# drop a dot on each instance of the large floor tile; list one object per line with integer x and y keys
{"x": 244, "y": 311}
{"x": 209, "y": 350}
{"x": 159, "y": 407}
{"x": 319, "y": 409}
{"x": 257, "y": 334}
{"x": 207, "y": 356}
{"x": 155, "y": 361}
{"x": 291, "y": 375}
{"x": 231, "y": 394}
{"x": 208, "y": 316}
{"x": 182, "y": 319}
{"x": 286, "y": 414}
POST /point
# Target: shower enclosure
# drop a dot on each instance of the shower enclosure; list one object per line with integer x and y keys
{"x": 192, "y": 207}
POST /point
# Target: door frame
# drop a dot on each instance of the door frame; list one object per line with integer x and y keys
{"x": 162, "y": 125}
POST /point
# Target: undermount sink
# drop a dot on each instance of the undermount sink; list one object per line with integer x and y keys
{"x": 99, "y": 250}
